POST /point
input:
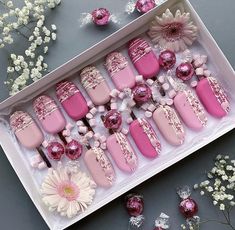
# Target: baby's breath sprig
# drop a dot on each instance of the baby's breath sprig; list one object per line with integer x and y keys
{"x": 220, "y": 187}
{"x": 31, "y": 65}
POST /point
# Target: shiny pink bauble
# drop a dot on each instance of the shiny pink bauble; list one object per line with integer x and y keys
{"x": 188, "y": 208}
{"x": 185, "y": 71}
{"x": 55, "y": 150}
{"x": 101, "y": 16}
{"x": 134, "y": 205}
{"x": 142, "y": 93}
{"x": 73, "y": 150}
{"x": 113, "y": 120}
{"x": 144, "y": 6}
{"x": 167, "y": 59}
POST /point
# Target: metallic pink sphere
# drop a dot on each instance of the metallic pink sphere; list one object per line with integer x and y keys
{"x": 101, "y": 16}
{"x": 142, "y": 93}
{"x": 55, "y": 150}
{"x": 113, "y": 120}
{"x": 185, "y": 71}
{"x": 188, "y": 207}
{"x": 167, "y": 59}
{"x": 134, "y": 205}
{"x": 144, "y": 6}
{"x": 73, "y": 150}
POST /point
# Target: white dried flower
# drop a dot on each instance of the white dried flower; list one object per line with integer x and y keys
{"x": 229, "y": 167}
{"x": 195, "y": 186}
{"x": 232, "y": 203}
{"x": 9, "y": 4}
{"x": 222, "y": 207}
{"x": 215, "y": 202}
{"x": 45, "y": 50}
{"x": 53, "y": 26}
{"x": 53, "y": 36}
{"x": 10, "y": 69}
{"x": 210, "y": 189}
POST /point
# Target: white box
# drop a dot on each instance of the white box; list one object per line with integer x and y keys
{"x": 147, "y": 169}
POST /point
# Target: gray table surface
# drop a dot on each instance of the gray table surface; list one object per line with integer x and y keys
{"x": 16, "y": 209}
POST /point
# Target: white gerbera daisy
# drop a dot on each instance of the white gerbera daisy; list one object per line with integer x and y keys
{"x": 174, "y": 33}
{"x": 66, "y": 191}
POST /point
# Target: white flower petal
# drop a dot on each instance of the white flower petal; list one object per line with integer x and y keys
{"x": 52, "y": 200}
{"x": 62, "y": 204}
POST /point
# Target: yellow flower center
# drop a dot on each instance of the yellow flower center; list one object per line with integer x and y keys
{"x": 68, "y": 190}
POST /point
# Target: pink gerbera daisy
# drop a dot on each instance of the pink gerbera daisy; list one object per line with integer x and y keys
{"x": 67, "y": 192}
{"x": 173, "y": 32}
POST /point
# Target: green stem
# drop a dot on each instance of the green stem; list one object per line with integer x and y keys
{"x": 227, "y": 217}
{"x": 228, "y": 214}
{"x": 22, "y": 34}
{"x": 211, "y": 220}
{"x": 3, "y": 3}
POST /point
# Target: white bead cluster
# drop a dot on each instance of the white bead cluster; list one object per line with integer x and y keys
{"x": 199, "y": 63}
{"x": 67, "y": 132}
{"x": 91, "y": 114}
{"x": 127, "y": 105}
{"x": 155, "y": 86}
{"x": 114, "y": 95}
{"x": 125, "y": 96}
{"x": 31, "y": 64}
{"x": 37, "y": 162}
{"x": 100, "y": 141}
{"x": 85, "y": 134}
{"x": 83, "y": 129}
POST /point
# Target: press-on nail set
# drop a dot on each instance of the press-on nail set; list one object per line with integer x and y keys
{"x": 114, "y": 122}
{"x": 183, "y": 107}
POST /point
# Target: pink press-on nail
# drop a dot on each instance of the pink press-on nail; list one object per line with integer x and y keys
{"x": 145, "y": 138}
{"x": 95, "y": 85}
{"x": 118, "y": 144}
{"x": 143, "y": 58}
{"x": 49, "y": 114}
{"x": 213, "y": 97}
{"x": 120, "y": 71}
{"x": 122, "y": 152}
{"x": 100, "y": 167}
{"x": 169, "y": 124}
{"x": 72, "y": 100}
{"x": 28, "y": 133}
{"x": 26, "y": 130}
{"x": 190, "y": 110}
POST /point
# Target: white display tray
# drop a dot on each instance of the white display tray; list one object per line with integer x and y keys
{"x": 19, "y": 157}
